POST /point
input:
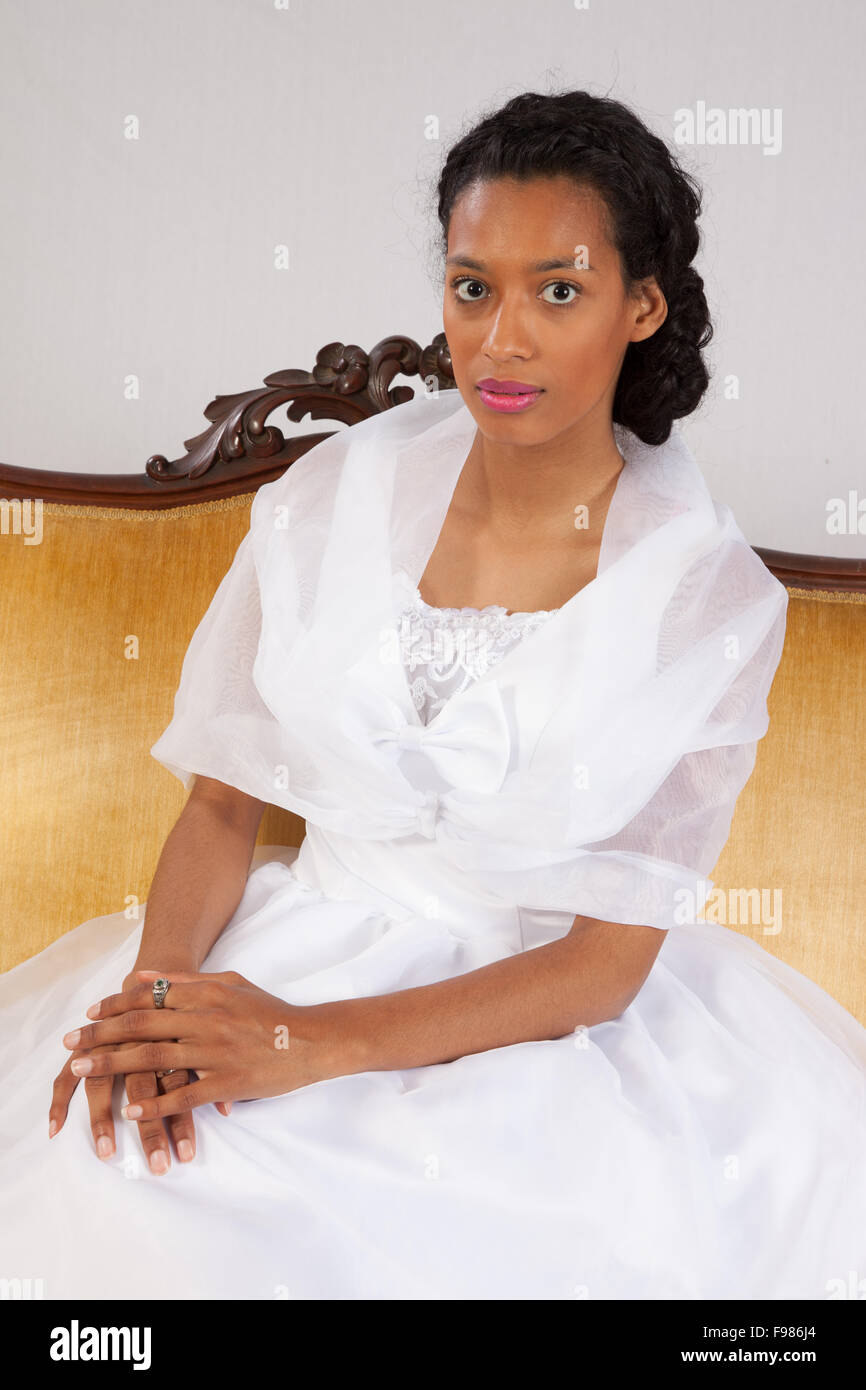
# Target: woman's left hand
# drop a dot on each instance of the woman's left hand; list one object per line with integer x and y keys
{"x": 243, "y": 1043}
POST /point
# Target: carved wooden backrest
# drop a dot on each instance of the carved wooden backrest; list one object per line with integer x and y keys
{"x": 239, "y": 450}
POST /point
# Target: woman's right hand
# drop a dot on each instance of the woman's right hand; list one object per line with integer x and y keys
{"x": 139, "y": 1085}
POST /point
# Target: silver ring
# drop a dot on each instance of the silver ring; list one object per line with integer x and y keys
{"x": 169, "y": 1072}
{"x": 160, "y": 990}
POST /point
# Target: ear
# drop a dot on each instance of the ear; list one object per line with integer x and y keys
{"x": 650, "y": 310}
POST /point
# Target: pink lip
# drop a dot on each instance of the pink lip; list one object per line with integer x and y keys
{"x": 508, "y": 396}
{"x": 506, "y": 388}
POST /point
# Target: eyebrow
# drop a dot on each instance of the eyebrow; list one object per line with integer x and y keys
{"x": 556, "y": 263}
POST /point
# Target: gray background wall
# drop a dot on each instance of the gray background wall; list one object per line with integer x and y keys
{"x": 304, "y": 123}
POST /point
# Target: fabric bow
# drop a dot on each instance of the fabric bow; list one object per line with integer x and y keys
{"x": 468, "y": 741}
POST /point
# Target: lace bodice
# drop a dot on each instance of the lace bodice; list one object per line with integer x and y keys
{"x": 445, "y": 649}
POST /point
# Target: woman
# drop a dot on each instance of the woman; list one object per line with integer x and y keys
{"x": 510, "y": 660}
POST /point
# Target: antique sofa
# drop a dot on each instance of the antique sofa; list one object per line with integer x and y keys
{"x": 96, "y": 616}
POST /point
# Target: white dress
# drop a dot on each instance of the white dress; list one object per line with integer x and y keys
{"x": 706, "y": 1143}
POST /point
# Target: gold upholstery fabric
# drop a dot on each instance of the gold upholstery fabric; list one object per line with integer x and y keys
{"x": 800, "y": 822}
{"x": 94, "y": 624}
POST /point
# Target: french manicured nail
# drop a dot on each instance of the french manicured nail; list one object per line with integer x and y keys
{"x": 131, "y": 1112}
{"x": 104, "y": 1146}
{"x": 82, "y": 1066}
{"x": 184, "y": 1150}
{"x": 93, "y": 1011}
{"x": 158, "y": 1161}
{"x": 73, "y": 1039}
{"x": 52, "y": 1129}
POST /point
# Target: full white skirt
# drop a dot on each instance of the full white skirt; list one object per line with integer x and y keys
{"x": 709, "y": 1143}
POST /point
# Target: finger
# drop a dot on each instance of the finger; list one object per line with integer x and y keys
{"x": 177, "y": 1102}
{"x": 143, "y": 993}
{"x": 114, "y": 1060}
{"x": 142, "y": 1089}
{"x": 64, "y": 1087}
{"x": 136, "y": 1025}
{"x": 180, "y": 1127}
{"x": 186, "y": 995}
{"x": 99, "y": 1091}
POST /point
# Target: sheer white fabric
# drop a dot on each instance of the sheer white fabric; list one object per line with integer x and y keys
{"x": 445, "y": 649}
{"x": 568, "y": 791}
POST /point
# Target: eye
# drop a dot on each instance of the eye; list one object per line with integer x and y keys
{"x": 465, "y": 280}
{"x": 563, "y": 285}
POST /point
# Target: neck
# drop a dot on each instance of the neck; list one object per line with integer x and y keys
{"x": 533, "y": 489}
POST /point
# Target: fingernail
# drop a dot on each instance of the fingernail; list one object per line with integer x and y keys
{"x": 73, "y": 1039}
{"x": 158, "y": 1161}
{"x": 82, "y": 1066}
{"x": 92, "y": 1012}
{"x": 131, "y": 1112}
{"x": 104, "y": 1146}
{"x": 184, "y": 1150}
{"x": 52, "y": 1129}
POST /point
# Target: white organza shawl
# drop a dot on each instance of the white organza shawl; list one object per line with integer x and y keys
{"x": 593, "y": 770}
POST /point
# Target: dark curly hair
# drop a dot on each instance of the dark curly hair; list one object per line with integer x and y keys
{"x": 651, "y": 210}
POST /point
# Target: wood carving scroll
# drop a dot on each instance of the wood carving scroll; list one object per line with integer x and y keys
{"x": 346, "y": 384}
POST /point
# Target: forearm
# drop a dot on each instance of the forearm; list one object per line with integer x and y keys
{"x": 541, "y": 993}
{"x": 199, "y": 880}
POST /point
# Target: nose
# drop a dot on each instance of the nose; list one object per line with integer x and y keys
{"x": 508, "y": 335}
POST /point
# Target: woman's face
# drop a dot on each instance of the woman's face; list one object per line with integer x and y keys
{"x": 534, "y": 296}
